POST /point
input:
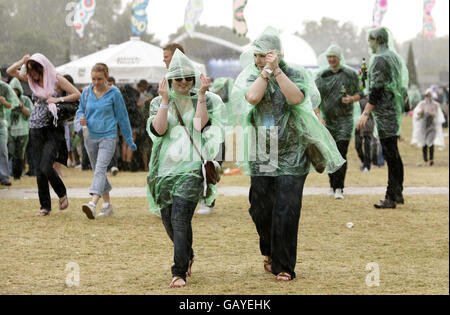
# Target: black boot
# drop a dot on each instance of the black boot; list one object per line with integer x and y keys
{"x": 386, "y": 204}
{"x": 400, "y": 200}
{"x": 17, "y": 168}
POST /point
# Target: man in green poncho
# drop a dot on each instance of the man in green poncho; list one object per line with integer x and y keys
{"x": 272, "y": 100}
{"x": 339, "y": 89}
{"x": 20, "y": 128}
{"x": 388, "y": 82}
{"x": 8, "y": 100}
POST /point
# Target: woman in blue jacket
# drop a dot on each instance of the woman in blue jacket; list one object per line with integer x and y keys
{"x": 101, "y": 109}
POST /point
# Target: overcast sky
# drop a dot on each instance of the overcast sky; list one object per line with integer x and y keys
{"x": 404, "y": 17}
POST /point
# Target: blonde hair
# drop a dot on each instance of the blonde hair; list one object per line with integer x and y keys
{"x": 101, "y": 67}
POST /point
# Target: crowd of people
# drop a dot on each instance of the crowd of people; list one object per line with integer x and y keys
{"x": 303, "y": 122}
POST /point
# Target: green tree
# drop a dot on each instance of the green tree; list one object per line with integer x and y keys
{"x": 432, "y": 58}
{"x": 320, "y": 35}
{"x": 203, "y": 50}
{"x": 30, "y": 26}
{"x": 411, "y": 64}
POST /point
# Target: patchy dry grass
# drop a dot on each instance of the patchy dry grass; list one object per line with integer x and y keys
{"x": 130, "y": 253}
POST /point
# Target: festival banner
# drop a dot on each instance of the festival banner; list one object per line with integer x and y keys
{"x": 239, "y": 23}
{"x": 192, "y": 15}
{"x": 429, "y": 26}
{"x": 139, "y": 19}
{"x": 379, "y": 11}
{"x": 84, "y": 11}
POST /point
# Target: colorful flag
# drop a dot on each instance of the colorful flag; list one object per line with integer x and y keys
{"x": 83, "y": 12}
{"x": 193, "y": 11}
{"x": 239, "y": 23}
{"x": 379, "y": 12}
{"x": 139, "y": 19}
{"x": 429, "y": 27}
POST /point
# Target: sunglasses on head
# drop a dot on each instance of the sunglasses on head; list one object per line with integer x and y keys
{"x": 188, "y": 79}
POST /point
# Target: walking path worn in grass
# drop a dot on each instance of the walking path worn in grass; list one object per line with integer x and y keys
{"x": 228, "y": 191}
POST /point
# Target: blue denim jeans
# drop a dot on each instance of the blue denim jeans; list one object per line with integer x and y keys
{"x": 100, "y": 153}
{"x": 4, "y": 169}
{"x": 177, "y": 219}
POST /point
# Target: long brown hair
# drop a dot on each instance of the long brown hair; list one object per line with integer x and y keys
{"x": 36, "y": 67}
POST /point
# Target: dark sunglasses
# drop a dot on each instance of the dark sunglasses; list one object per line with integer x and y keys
{"x": 188, "y": 79}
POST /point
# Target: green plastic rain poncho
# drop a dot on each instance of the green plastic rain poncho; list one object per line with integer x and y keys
{"x": 388, "y": 84}
{"x": 223, "y": 87}
{"x": 414, "y": 97}
{"x": 175, "y": 167}
{"x": 7, "y": 92}
{"x": 273, "y": 136}
{"x": 340, "y": 118}
{"x": 19, "y": 123}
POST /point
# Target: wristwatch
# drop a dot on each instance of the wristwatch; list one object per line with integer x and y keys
{"x": 365, "y": 114}
{"x": 268, "y": 71}
{"x": 61, "y": 100}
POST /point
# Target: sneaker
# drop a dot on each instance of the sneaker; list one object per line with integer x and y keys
{"x": 114, "y": 171}
{"x": 5, "y": 183}
{"x": 366, "y": 170}
{"x": 89, "y": 210}
{"x": 107, "y": 210}
{"x": 204, "y": 209}
{"x": 338, "y": 194}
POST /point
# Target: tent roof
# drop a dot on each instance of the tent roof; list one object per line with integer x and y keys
{"x": 128, "y": 62}
{"x": 298, "y": 51}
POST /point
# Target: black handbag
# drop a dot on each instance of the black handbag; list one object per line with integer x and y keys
{"x": 66, "y": 111}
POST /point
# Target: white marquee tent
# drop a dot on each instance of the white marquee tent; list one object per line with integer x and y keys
{"x": 128, "y": 62}
{"x": 298, "y": 51}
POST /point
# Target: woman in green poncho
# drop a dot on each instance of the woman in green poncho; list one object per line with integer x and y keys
{"x": 339, "y": 89}
{"x": 272, "y": 102}
{"x": 175, "y": 180}
{"x": 388, "y": 83}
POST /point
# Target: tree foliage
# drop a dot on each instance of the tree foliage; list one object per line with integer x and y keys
{"x": 40, "y": 26}
{"x": 431, "y": 55}
{"x": 411, "y": 64}
{"x": 203, "y": 50}
{"x": 320, "y": 35}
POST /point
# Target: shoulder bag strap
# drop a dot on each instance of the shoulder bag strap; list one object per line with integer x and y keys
{"x": 180, "y": 119}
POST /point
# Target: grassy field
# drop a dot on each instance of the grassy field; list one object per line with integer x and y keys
{"x": 130, "y": 252}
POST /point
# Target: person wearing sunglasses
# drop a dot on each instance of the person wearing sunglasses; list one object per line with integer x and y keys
{"x": 184, "y": 110}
